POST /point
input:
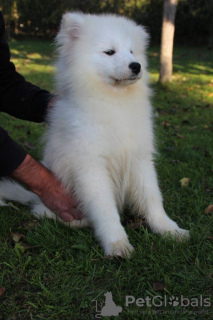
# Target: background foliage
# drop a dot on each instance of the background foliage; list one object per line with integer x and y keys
{"x": 194, "y": 23}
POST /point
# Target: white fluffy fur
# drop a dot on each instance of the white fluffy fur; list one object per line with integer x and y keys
{"x": 100, "y": 138}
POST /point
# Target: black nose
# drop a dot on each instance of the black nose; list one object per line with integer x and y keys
{"x": 135, "y": 67}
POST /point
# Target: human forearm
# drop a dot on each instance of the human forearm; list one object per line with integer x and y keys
{"x": 32, "y": 174}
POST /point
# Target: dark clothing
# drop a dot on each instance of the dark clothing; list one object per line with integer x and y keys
{"x": 20, "y": 99}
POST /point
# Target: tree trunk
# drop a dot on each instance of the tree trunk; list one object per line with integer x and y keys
{"x": 167, "y": 39}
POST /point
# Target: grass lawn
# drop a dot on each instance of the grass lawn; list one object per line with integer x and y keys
{"x": 53, "y": 272}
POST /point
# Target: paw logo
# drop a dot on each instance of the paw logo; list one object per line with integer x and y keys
{"x": 173, "y": 301}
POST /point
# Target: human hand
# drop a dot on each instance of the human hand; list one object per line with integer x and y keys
{"x": 43, "y": 183}
{"x": 55, "y": 197}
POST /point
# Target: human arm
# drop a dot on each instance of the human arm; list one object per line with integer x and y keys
{"x": 43, "y": 183}
{"x": 26, "y": 101}
{"x": 16, "y": 163}
{"x": 19, "y": 97}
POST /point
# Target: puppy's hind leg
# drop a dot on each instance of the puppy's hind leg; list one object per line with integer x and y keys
{"x": 13, "y": 191}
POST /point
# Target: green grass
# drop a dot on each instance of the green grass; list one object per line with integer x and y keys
{"x": 55, "y": 272}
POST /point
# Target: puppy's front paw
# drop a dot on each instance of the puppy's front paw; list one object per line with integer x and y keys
{"x": 168, "y": 227}
{"x": 178, "y": 234}
{"x": 121, "y": 248}
{"x": 181, "y": 234}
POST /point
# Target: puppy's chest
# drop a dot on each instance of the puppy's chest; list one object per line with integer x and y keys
{"x": 110, "y": 130}
{"x": 123, "y": 135}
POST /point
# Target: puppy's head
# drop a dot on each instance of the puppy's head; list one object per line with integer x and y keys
{"x": 102, "y": 48}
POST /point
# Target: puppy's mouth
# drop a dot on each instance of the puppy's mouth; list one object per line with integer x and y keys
{"x": 125, "y": 81}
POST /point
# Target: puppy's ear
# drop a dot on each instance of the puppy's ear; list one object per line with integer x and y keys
{"x": 71, "y": 24}
{"x": 144, "y": 36}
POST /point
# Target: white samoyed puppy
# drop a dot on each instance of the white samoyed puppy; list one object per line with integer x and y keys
{"x": 100, "y": 141}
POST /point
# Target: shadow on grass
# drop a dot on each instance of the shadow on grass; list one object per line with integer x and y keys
{"x": 42, "y": 47}
{"x": 185, "y": 59}
{"x": 184, "y": 100}
{"x": 24, "y": 56}
{"x": 192, "y": 69}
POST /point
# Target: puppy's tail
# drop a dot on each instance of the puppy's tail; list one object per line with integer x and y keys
{"x": 11, "y": 190}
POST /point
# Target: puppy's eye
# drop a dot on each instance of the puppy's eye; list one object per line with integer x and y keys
{"x": 110, "y": 52}
{"x": 131, "y": 51}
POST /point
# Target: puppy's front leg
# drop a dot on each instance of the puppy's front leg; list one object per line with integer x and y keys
{"x": 94, "y": 189}
{"x": 149, "y": 200}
